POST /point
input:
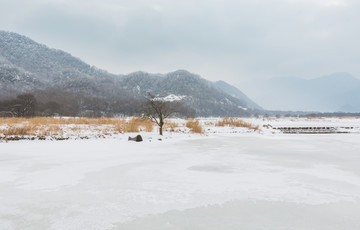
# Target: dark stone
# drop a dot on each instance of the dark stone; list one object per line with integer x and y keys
{"x": 138, "y": 138}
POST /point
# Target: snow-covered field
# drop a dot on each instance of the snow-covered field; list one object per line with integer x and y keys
{"x": 227, "y": 178}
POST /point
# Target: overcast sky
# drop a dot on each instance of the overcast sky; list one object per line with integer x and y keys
{"x": 232, "y": 40}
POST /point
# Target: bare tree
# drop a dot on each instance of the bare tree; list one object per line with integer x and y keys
{"x": 24, "y": 105}
{"x": 158, "y": 110}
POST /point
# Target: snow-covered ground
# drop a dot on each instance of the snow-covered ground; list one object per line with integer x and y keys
{"x": 225, "y": 179}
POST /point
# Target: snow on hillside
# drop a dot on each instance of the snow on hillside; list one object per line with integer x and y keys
{"x": 27, "y": 66}
{"x": 172, "y": 97}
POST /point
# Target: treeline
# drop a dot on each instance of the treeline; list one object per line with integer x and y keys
{"x": 335, "y": 114}
{"x": 56, "y": 103}
{"x": 27, "y": 105}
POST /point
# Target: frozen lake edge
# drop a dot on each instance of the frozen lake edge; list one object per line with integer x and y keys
{"x": 254, "y": 180}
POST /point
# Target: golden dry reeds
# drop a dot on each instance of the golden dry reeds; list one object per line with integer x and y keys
{"x": 235, "y": 122}
{"x": 194, "y": 125}
{"x": 138, "y": 125}
{"x": 170, "y": 126}
{"x": 52, "y": 130}
{"x": 50, "y": 126}
{"x": 61, "y": 121}
{"x": 17, "y": 130}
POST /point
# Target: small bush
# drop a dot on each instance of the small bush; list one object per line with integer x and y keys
{"x": 194, "y": 125}
{"x": 137, "y": 125}
{"x": 170, "y": 126}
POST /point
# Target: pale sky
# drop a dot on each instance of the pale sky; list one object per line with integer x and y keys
{"x": 231, "y": 40}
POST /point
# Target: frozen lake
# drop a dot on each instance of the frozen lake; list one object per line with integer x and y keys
{"x": 240, "y": 181}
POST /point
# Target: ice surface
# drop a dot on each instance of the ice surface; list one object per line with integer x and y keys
{"x": 220, "y": 181}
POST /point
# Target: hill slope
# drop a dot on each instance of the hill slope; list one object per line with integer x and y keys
{"x": 202, "y": 95}
{"x": 26, "y": 66}
{"x": 235, "y": 92}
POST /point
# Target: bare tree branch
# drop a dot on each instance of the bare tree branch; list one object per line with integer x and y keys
{"x": 158, "y": 110}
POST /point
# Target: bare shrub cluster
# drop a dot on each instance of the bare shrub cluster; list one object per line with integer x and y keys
{"x": 235, "y": 122}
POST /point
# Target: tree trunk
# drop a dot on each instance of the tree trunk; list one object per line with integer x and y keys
{"x": 161, "y": 125}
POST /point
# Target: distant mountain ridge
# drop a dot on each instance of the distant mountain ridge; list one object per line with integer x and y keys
{"x": 235, "y": 92}
{"x": 338, "y": 92}
{"x": 26, "y": 66}
{"x": 202, "y": 95}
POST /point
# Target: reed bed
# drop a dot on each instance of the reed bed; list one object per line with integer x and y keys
{"x": 51, "y": 126}
{"x": 235, "y": 122}
{"x": 194, "y": 125}
{"x": 171, "y": 126}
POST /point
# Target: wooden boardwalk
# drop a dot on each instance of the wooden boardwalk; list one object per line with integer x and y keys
{"x": 314, "y": 130}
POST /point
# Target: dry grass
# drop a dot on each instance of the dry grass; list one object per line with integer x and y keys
{"x": 53, "y": 130}
{"x": 170, "y": 126}
{"x": 31, "y": 130}
{"x": 349, "y": 117}
{"x": 49, "y": 126}
{"x": 235, "y": 122}
{"x": 138, "y": 125}
{"x": 60, "y": 121}
{"x": 209, "y": 123}
{"x": 194, "y": 125}
{"x": 17, "y": 130}
{"x": 314, "y": 118}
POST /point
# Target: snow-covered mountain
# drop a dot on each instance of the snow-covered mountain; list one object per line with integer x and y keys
{"x": 26, "y": 66}
{"x": 235, "y": 92}
{"x": 202, "y": 95}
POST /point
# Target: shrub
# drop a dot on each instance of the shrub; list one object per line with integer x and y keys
{"x": 138, "y": 124}
{"x": 170, "y": 126}
{"x": 194, "y": 125}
